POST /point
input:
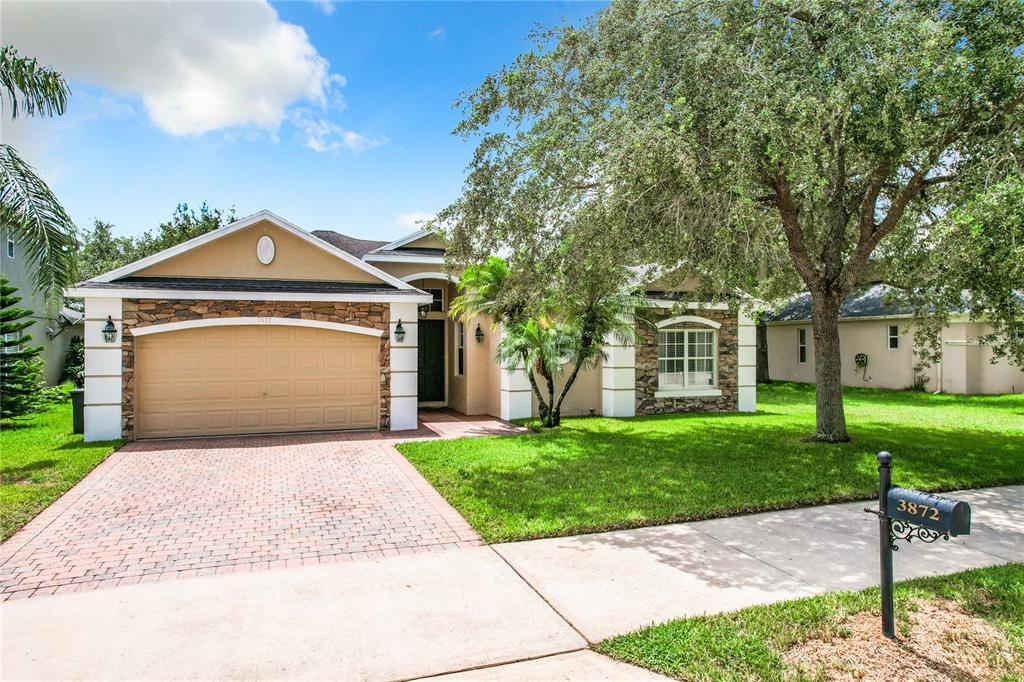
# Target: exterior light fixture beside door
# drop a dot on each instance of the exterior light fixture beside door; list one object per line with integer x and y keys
{"x": 479, "y": 334}
{"x": 109, "y": 331}
{"x": 399, "y": 332}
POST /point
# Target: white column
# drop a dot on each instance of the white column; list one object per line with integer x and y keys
{"x": 103, "y": 391}
{"x": 516, "y": 394}
{"x": 618, "y": 379}
{"x": 746, "y": 372}
{"x": 404, "y": 377}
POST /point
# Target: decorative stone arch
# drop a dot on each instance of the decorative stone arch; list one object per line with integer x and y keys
{"x": 428, "y": 275}
{"x": 693, "y": 319}
{"x": 255, "y": 321}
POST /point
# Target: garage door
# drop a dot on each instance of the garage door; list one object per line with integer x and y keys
{"x": 254, "y": 379}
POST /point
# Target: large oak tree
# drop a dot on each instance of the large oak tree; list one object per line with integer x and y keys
{"x": 766, "y": 146}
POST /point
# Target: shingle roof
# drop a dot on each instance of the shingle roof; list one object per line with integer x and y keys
{"x": 403, "y": 251}
{"x": 876, "y": 300}
{"x": 246, "y": 285}
{"x": 357, "y": 247}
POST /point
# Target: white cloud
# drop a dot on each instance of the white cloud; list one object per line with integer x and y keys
{"x": 436, "y": 34}
{"x": 322, "y": 135}
{"x": 415, "y": 219}
{"x": 326, "y": 6}
{"x": 195, "y": 66}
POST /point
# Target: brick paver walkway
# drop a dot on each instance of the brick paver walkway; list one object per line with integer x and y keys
{"x": 162, "y": 510}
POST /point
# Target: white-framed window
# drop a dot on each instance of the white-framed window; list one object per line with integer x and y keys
{"x": 687, "y": 359}
{"x": 894, "y": 337}
{"x": 437, "y": 305}
{"x": 801, "y": 346}
{"x": 460, "y": 348}
{"x": 10, "y": 248}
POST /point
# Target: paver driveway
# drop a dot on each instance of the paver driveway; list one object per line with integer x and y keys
{"x": 160, "y": 510}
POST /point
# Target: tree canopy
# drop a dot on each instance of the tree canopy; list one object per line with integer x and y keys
{"x": 764, "y": 146}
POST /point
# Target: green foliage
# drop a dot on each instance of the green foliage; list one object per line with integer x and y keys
{"x": 42, "y": 459}
{"x": 769, "y": 146}
{"x": 595, "y": 473}
{"x": 973, "y": 263}
{"x": 21, "y": 370}
{"x": 548, "y": 329}
{"x": 748, "y": 644}
{"x": 74, "y": 362}
{"x": 28, "y": 209}
{"x": 101, "y": 251}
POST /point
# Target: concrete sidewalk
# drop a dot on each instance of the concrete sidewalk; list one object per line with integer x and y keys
{"x": 606, "y": 584}
{"x": 517, "y": 611}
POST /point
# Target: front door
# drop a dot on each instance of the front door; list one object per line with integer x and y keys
{"x": 431, "y": 361}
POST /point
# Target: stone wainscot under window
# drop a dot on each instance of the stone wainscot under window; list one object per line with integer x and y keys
{"x": 647, "y": 364}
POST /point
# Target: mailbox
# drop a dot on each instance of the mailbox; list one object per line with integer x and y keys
{"x": 940, "y": 514}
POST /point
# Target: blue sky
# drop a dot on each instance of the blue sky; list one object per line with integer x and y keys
{"x": 349, "y": 130}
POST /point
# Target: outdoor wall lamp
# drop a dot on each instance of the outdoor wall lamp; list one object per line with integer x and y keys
{"x": 479, "y": 334}
{"x": 399, "y": 332}
{"x": 109, "y": 331}
{"x": 423, "y": 310}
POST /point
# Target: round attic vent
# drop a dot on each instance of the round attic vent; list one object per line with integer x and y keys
{"x": 265, "y": 250}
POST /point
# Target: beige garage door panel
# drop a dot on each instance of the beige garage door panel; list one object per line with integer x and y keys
{"x": 254, "y": 379}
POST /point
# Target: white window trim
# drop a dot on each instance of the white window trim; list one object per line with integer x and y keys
{"x": 801, "y": 343}
{"x": 672, "y": 321}
{"x": 255, "y": 321}
{"x": 689, "y": 390}
{"x": 460, "y": 345}
{"x": 889, "y": 336}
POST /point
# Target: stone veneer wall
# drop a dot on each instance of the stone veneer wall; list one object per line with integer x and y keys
{"x": 647, "y": 364}
{"x": 145, "y": 312}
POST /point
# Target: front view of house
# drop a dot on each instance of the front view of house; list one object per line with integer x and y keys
{"x": 263, "y": 327}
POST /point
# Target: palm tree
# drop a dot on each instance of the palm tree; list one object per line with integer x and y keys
{"x": 571, "y": 328}
{"x": 29, "y": 211}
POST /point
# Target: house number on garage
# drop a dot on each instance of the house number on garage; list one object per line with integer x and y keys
{"x": 264, "y": 320}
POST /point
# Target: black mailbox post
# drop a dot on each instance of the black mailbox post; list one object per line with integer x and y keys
{"x": 905, "y": 514}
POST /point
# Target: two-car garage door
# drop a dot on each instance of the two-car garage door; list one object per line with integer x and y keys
{"x": 254, "y": 379}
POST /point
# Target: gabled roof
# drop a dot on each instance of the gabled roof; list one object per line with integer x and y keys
{"x": 237, "y": 226}
{"x": 419, "y": 234}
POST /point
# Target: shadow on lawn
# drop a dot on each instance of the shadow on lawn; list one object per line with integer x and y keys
{"x": 583, "y": 481}
{"x": 20, "y": 473}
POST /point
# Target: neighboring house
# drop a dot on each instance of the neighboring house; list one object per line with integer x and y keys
{"x": 54, "y": 325}
{"x": 872, "y": 326}
{"x": 260, "y": 326}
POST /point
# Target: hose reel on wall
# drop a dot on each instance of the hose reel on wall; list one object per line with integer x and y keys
{"x": 860, "y": 360}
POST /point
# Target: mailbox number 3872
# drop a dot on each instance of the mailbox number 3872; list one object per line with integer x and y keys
{"x": 914, "y": 509}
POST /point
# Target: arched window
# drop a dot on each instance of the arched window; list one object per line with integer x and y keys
{"x": 687, "y": 357}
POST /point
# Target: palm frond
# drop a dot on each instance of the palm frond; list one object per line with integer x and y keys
{"x": 38, "y": 90}
{"x": 31, "y": 214}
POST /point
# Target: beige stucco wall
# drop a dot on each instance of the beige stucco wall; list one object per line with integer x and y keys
{"x": 426, "y": 242}
{"x": 965, "y": 368}
{"x": 584, "y": 397}
{"x": 234, "y": 256}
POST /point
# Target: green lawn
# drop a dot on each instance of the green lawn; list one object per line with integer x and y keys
{"x": 596, "y": 474}
{"x": 748, "y": 644}
{"x": 39, "y": 460}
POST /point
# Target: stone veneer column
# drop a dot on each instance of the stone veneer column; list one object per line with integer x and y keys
{"x": 618, "y": 379}
{"x": 746, "y": 399}
{"x": 516, "y": 394}
{"x": 404, "y": 368}
{"x": 102, "y": 370}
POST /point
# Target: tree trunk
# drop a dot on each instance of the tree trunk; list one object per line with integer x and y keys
{"x": 542, "y": 408}
{"x": 762, "y": 351}
{"x": 830, "y": 420}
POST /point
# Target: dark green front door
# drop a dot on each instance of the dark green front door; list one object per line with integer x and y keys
{"x": 431, "y": 361}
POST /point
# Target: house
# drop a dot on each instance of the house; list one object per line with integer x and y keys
{"x": 876, "y": 335}
{"x": 261, "y": 326}
{"x": 55, "y": 325}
